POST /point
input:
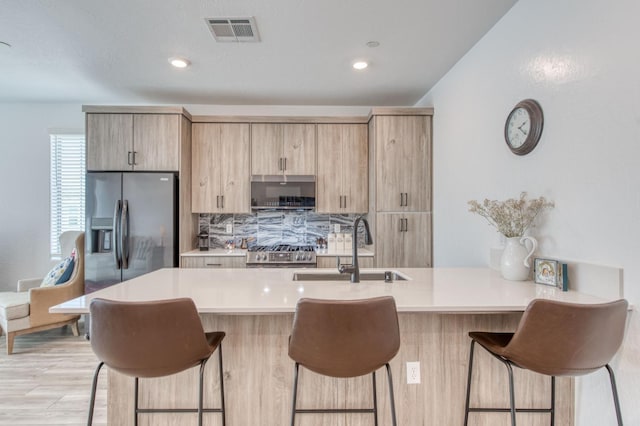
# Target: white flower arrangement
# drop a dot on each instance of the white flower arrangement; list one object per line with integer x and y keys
{"x": 511, "y": 217}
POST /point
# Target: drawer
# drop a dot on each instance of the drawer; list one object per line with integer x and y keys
{"x": 213, "y": 262}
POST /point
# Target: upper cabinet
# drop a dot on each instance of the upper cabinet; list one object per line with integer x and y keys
{"x": 283, "y": 149}
{"x": 342, "y": 169}
{"x": 403, "y": 162}
{"x": 133, "y": 142}
{"x": 220, "y": 174}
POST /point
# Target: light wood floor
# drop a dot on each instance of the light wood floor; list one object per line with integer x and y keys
{"x": 47, "y": 380}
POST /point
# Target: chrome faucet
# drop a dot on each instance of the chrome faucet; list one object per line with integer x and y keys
{"x": 353, "y": 268}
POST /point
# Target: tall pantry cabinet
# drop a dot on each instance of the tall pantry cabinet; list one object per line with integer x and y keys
{"x": 400, "y": 189}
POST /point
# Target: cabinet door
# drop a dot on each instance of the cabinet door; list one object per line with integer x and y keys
{"x": 390, "y": 250}
{"x": 417, "y": 241}
{"x": 213, "y": 262}
{"x": 402, "y": 167}
{"x": 156, "y": 142}
{"x": 109, "y": 141}
{"x": 233, "y": 163}
{"x": 205, "y": 172}
{"x": 329, "y": 183}
{"x": 299, "y": 149}
{"x": 266, "y": 149}
{"x": 355, "y": 170}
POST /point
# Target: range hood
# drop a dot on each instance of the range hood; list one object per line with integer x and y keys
{"x": 283, "y": 192}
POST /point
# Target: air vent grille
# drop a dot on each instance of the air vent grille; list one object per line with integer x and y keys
{"x": 233, "y": 29}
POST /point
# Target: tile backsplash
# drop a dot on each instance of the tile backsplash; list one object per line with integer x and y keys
{"x": 274, "y": 227}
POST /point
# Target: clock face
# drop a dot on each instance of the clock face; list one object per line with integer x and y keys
{"x": 523, "y": 127}
{"x": 518, "y": 127}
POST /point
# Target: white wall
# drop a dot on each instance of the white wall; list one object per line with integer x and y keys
{"x": 579, "y": 59}
{"x": 24, "y": 186}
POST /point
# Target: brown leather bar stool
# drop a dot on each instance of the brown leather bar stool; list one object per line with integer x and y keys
{"x": 153, "y": 339}
{"x": 345, "y": 338}
{"x": 556, "y": 339}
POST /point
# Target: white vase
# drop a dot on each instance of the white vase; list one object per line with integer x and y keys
{"x": 514, "y": 263}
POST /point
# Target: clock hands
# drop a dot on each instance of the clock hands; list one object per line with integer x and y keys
{"x": 520, "y": 128}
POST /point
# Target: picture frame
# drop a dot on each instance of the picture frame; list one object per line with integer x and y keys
{"x": 550, "y": 272}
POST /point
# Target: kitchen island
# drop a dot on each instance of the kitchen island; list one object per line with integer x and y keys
{"x": 437, "y": 308}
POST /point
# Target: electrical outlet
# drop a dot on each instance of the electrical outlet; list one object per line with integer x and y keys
{"x": 336, "y": 228}
{"x": 229, "y": 228}
{"x": 413, "y": 373}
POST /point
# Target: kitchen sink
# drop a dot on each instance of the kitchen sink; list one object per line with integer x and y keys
{"x": 336, "y": 276}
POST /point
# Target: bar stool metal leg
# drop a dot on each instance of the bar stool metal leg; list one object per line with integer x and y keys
{"x": 94, "y": 386}
{"x": 512, "y": 398}
{"x": 201, "y": 391}
{"x": 614, "y": 389}
{"x": 466, "y": 405}
{"x": 553, "y": 400}
{"x": 135, "y": 404}
{"x": 222, "y": 407}
{"x": 295, "y": 394}
{"x": 375, "y": 400}
{"x": 393, "y": 404}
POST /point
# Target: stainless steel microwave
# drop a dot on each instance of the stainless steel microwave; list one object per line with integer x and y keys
{"x": 279, "y": 192}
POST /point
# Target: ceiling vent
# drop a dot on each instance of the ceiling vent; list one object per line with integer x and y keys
{"x": 233, "y": 29}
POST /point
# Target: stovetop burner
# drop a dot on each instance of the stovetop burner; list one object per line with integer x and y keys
{"x": 282, "y": 248}
{"x": 281, "y": 255}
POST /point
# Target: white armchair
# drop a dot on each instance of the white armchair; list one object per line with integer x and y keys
{"x": 27, "y": 310}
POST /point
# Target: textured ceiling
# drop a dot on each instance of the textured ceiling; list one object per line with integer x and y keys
{"x": 117, "y": 51}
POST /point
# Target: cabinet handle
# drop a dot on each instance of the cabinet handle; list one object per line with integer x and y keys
{"x": 345, "y": 201}
{"x": 406, "y": 199}
{"x": 284, "y": 160}
{"x": 400, "y": 227}
{"x": 406, "y": 225}
{"x": 401, "y": 199}
{"x": 129, "y": 157}
{"x": 213, "y": 264}
{"x": 222, "y": 199}
{"x": 280, "y": 163}
{"x": 134, "y": 158}
{"x": 217, "y": 201}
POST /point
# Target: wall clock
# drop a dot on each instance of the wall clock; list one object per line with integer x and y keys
{"x": 523, "y": 127}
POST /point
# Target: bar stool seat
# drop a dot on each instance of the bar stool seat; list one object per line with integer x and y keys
{"x": 153, "y": 339}
{"x": 555, "y": 339}
{"x": 345, "y": 338}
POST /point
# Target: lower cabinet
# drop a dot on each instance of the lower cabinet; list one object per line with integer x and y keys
{"x": 213, "y": 262}
{"x": 403, "y": 240}
{"x": 330, "y": 261}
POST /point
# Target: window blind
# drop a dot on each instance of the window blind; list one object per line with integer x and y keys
{"x": 67, "y": 187}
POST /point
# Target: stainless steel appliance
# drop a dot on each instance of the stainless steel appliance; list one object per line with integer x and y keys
{"x": 131, "y": 226}
{"x": 281, "y": 256}
{"x": 276, "y": 192}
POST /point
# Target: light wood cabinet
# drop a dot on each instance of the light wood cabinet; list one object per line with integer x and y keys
{"x": 403, "y": 162}
{"x": 343, "y": 179}
{"x": 330, "y": 261}
{"x": 220, "y": 173}
{"x": 213, "y": 262}
{"x": 403, "y": 240}
{"x": 287, "y": 149}
{"x": 133, "y": 142}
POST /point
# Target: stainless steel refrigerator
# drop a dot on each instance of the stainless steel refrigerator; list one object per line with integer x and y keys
{"x": 131, "y": 226}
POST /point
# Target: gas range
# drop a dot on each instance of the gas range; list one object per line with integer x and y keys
{"x": 281, "y": 256}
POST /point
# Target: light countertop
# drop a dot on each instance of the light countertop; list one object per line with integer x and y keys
{"x": 362, "y": 252}
{"x": 269, "y": 291}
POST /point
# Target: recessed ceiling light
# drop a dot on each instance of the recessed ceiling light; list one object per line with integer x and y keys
{"x": 360, "y": 65}
{"x": 373, "y": 43}
{"x": 179, "y": 62}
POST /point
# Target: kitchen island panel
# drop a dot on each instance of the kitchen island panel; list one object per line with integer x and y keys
{"x": 259, "y": 378}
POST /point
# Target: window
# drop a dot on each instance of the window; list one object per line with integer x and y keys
{"x": 67, "y": 186}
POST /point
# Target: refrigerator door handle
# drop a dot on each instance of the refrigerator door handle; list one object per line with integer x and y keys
{"x": 117, "y": 255}
{"x": 124, "y": 234}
